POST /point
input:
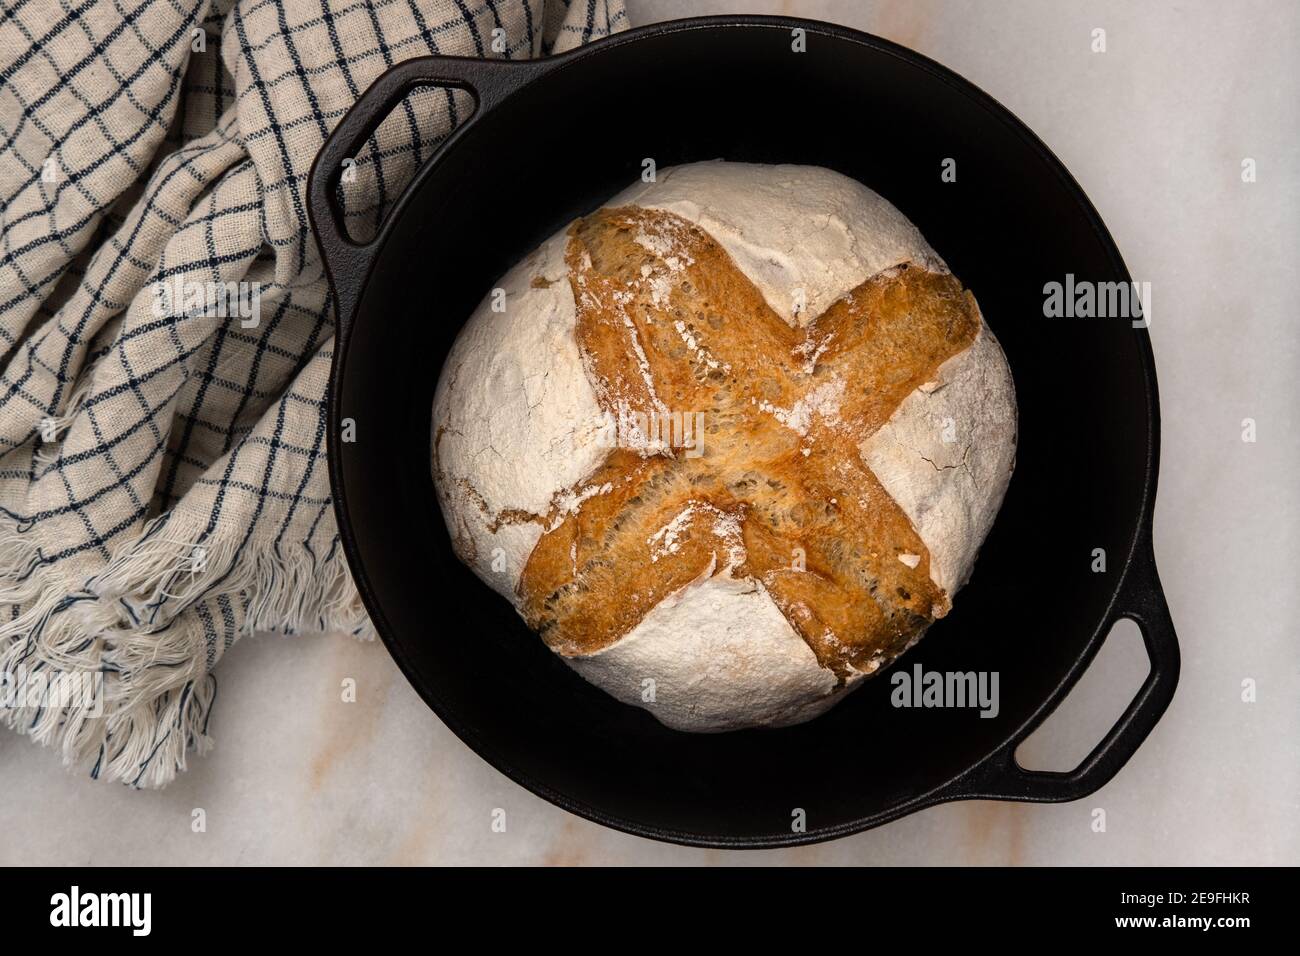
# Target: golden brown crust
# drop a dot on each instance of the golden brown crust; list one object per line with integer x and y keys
{"x": 667, "y": 323}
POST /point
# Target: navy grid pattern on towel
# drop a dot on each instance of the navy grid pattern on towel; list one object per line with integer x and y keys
{"x": 165, "y": 335}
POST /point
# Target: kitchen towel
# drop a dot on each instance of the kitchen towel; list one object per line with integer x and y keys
{"x": 165, "y": 335}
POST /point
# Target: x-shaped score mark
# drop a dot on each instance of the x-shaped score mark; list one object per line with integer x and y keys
{"x": 667, "y": 323}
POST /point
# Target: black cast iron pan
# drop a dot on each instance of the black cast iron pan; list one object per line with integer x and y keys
{"x": 550, "y": 140}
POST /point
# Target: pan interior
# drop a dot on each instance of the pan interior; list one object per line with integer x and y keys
{"x": 1009, "y": 224}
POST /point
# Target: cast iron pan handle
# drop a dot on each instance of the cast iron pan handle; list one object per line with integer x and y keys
{"x": 487, "y": 81}
{"x": 1142, "y": 600}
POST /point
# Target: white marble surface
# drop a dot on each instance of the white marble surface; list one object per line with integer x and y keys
{"x": 1155, "y": 130}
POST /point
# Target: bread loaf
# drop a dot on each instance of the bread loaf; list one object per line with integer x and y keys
{"x": 732, "y": 444}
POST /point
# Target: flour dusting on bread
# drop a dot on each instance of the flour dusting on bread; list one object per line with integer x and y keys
{"x": 859, "y": 433}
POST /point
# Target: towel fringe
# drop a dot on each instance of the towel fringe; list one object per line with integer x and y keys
{"x": 136, "y": 631}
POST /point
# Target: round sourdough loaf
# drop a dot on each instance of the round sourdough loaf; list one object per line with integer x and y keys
{"x": 729, "y": 444}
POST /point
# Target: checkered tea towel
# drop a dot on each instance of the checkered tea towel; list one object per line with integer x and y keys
{"x": 165, "y": 335}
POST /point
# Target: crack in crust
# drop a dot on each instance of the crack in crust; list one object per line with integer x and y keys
{"x": 666, "y": 321}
